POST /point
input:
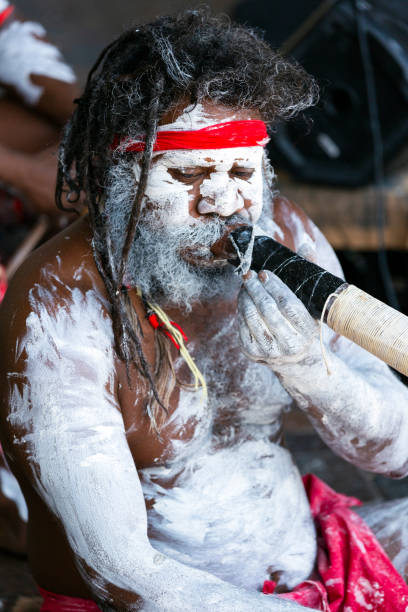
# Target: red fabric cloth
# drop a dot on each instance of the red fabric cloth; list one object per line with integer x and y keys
{"x": 356, "y": 574}
{"x": 226, "y": 135}
{"x": 61, "y": 603}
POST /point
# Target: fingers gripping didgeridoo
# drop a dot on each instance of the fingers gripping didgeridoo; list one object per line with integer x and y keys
{"x": 349, "y": 311}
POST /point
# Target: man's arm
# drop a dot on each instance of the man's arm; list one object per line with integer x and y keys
{"x": 70, "y": 439}
{"x": 361, "y": 408}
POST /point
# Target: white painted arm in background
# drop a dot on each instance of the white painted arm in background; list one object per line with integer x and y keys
{"x": 24, "y": 53}
{"x": 361, "y": 408}
{"x": 82, "y": 467}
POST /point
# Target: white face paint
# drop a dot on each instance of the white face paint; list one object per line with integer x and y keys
{"x": 23, "y": 54}
{"x": 3, "y": 5}
{"x": 221, "y": 193}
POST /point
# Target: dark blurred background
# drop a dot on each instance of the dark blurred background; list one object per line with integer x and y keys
{"x": 82, "y": 29}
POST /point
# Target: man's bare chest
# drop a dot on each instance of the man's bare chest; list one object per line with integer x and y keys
{"x": 244, "y": 396}
{"x": 245, "y": 400}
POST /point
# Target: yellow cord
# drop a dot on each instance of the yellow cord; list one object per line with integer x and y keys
{"x": 199, "y": 380}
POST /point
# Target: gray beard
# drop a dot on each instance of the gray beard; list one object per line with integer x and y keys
{"x": 156, "y": 266}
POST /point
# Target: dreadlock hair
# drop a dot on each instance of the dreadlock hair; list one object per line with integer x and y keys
{"x": 136, "y": 79}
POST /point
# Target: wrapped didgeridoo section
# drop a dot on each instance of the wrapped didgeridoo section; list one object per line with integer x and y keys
{"x": 349, "y": 311}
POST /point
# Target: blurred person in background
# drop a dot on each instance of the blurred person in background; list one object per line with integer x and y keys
{"x": 37, "y": 89}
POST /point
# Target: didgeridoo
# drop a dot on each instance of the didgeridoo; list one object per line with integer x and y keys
{"x": 349, "y": 311}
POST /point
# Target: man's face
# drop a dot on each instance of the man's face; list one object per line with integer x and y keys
{"x": 191, "y": 198}
{"x": 189, "y": 186}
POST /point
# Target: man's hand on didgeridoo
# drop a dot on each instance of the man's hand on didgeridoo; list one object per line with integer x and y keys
{"x": 274, "y": 325}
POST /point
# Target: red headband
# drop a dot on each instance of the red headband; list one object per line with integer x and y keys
{"x": 219, "y": 136}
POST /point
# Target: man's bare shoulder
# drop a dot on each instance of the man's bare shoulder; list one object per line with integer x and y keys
{"x": 58, "y": 288}
{"x": 68, "y": 255}
{"x": 59, "y": 266}
{"x": 67, "y": 258}
{"x": 302, "y": 235}
{"x": 292, "y": 221}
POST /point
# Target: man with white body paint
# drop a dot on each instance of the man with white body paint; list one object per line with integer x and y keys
{"x": 143, "y": 493}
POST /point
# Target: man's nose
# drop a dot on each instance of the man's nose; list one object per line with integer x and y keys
{"x": 220, "y": 196}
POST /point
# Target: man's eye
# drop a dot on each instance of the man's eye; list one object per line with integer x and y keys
{"x": 242, "y": 173}
{"x": 189, "y": 175}
{"x": 186, "y": 175}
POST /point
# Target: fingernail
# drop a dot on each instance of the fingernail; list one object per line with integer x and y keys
{"x": 263, "y": 277}
{"x": 247, "y": 276}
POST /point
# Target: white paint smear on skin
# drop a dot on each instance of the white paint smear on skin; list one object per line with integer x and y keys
{"x": 351, "y": 407}
{"x": 249, "y": 393}
{"x": 317, "y": 249}
{"x": 237, "y": 507}
{"x": 83, "y": 468}
{"x": 23, "y": 54}
{"x": 193, "y": 117}
{"x": 3, "y": 5}
{"x": 226, "y": 193}
{"x": 389, "y": 521}
{"x": 235, "y": 512}
{"x": 326, "y": 257}
{"x": 348, "y": 406}
{"x": 301, "y": 238}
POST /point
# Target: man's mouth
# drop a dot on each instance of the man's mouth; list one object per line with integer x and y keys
{"x": 202, "y": 256}
{"x": 217, "y": 254}
{"x": 223, "y": 248}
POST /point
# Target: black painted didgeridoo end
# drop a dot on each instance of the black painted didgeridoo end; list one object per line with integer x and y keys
{"x": 308, "y": 281}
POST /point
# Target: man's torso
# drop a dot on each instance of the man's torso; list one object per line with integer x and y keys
{"x": 221, "y": 492}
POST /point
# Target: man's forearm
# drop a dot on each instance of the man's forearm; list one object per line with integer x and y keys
{"x": 165, "y": 585}
{"x": 360, "y": 409}
{"x": 360, "y": 412}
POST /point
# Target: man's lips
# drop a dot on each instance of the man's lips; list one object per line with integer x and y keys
{"x": 223, "y": 248}
{"x": 218, "y": 254}
{"x": 202, "y": 256}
